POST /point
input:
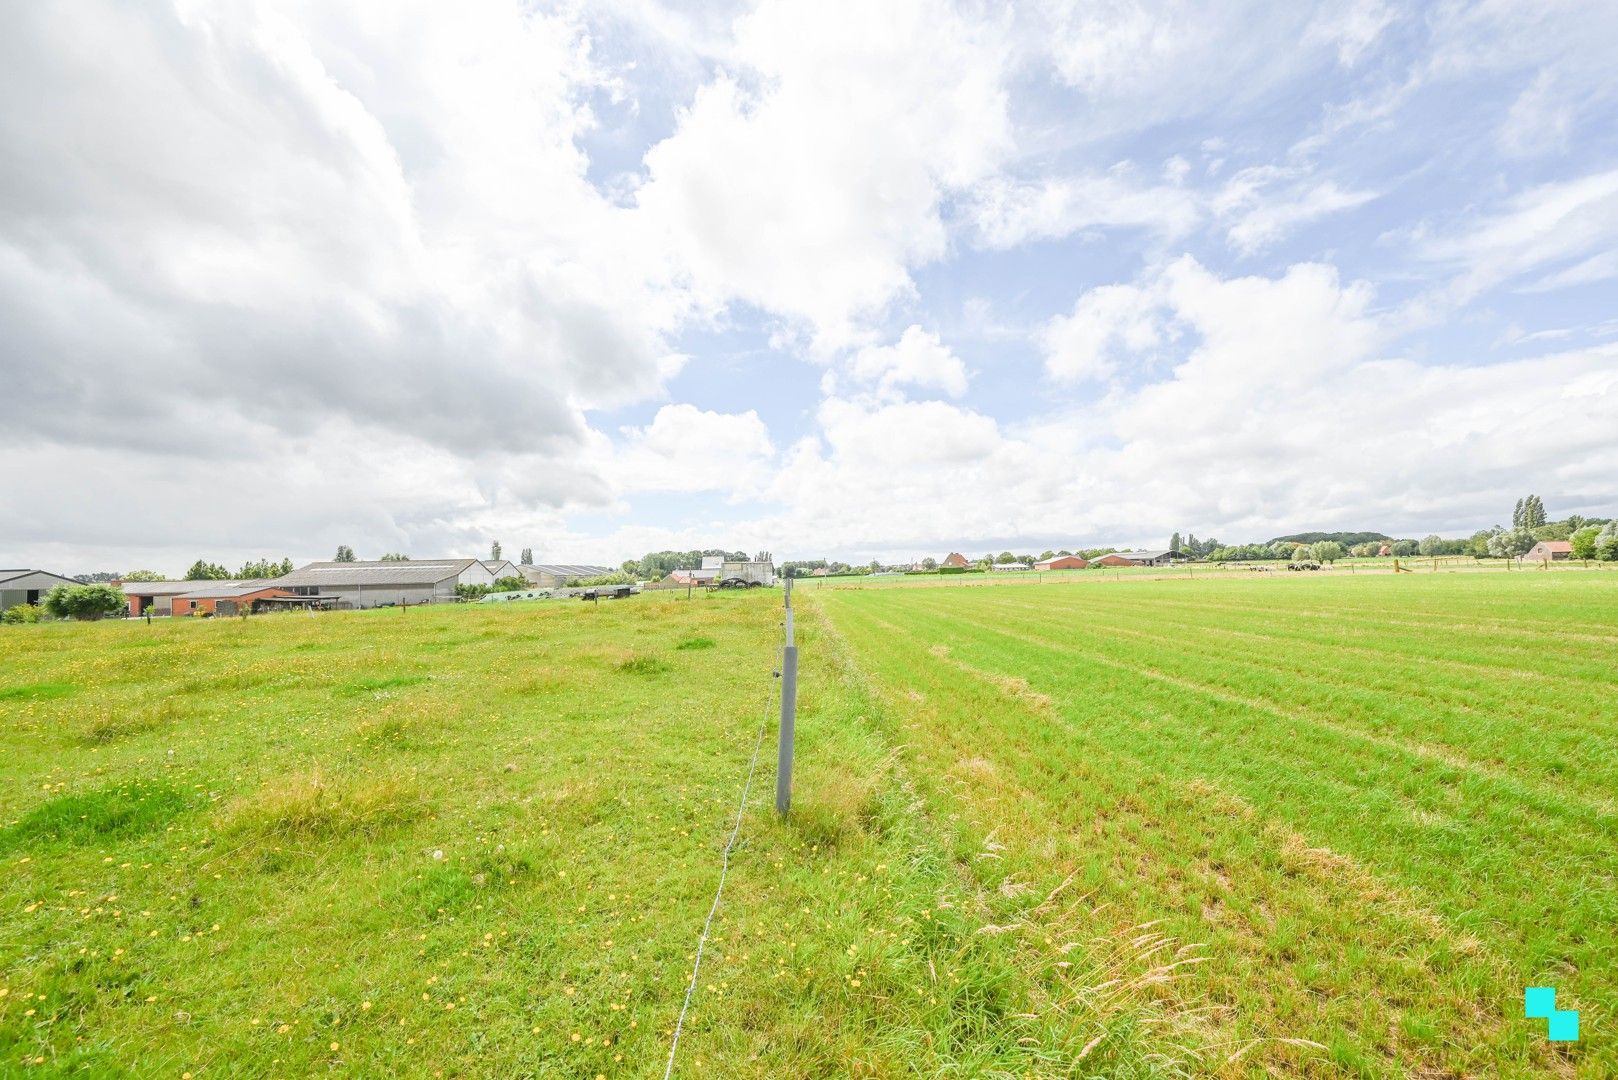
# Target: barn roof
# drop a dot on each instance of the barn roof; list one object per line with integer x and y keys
{"x": 411, "y": 572}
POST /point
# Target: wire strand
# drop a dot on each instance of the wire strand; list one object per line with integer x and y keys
{"x": 724, "y": 868}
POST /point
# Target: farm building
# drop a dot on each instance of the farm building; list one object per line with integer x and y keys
{"x": 157, "y": 597}
{"x": 1138, "y": 558}
{"x": 955, "y": 560}
{"x": 556, "y": 575}
{"x": 378, "y": 584}
{"x": 500, "y": 568}
{"x": 1549, "y": 550}
{"x": 28, "y": 586}
{"x": 1008, "y": 566}
{"x": 1062, "y": 562}
{"x": 229, "y": 597}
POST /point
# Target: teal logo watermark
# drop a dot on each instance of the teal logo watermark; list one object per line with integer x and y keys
{"x": 1539, "y": 1003}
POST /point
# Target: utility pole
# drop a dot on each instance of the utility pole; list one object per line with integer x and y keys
{"x": 789, "y": 710}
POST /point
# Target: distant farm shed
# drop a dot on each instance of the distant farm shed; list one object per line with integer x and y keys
{"x": 227, "y": 598}
{"x": 1139, "y": 558}
{"x": 556, "y": 575}
{"x": 956, "y": 560}
{"x": 157, "y": 597}
{"x": 379, "y": 583}
{"x": 1549, "y": 550}
{"x": 28, "y": 586}
{"x": 1063, "y": 562}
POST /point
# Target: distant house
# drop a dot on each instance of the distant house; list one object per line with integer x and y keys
{"x": 500, "y": 567}
{"x": 1008, "y": 566}
{"x": 228, "y": 597}
{"x": 1549, "y": 551}
{"x": 157, "y": 597}
{"x": 1139, "y": 558}
{"x": 379, "y": 583}
{"x": 556, "y": 575}
{"x": 28, "y": 586}
{"x": 1062, "y": 562}
{"x": 956, "y": 560}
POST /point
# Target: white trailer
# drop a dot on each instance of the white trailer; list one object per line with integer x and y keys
{"x": 746, "y": 573}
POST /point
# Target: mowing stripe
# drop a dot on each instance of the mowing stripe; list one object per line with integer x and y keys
{"x": 724, "y": 867}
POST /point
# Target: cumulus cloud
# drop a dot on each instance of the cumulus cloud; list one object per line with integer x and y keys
{"x": 686, "y": 449}
{"x": 918, "y": 359}
{"x": 809, "y": 180}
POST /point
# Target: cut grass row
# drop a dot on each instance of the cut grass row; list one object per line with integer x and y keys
{"x": 1173, "y": 741}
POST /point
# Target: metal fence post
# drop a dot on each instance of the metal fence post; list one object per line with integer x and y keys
{"x": 789, "y": 712}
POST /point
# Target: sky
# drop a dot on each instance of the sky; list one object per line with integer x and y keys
{"x": 828, "y": 279}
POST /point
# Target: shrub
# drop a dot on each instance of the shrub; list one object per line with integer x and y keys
{"x": 22, "y": 613}
{"x": 83, "y": 601}
{"x": 512, "y": 583}
{"x": 617, "y": 577}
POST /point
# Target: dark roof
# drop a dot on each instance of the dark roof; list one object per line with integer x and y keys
{"x": 222, "y": 590}
{"x": 566, "y": 569}
{"x": 410, "y": 572}
{"x": 8, "y": 575}
{"x": 174, "y": 588}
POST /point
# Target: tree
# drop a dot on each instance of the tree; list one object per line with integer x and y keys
{"x": 1607, "y": 542}
{"x": 1405, "y": 548}
{"x": 1516, "y": 515}
{"x": 494, "y": 551}
{"x": 512, "y": 583}
{"x": 264, "y": 568}
{"x": 1174, "y": 542}
{"x": 143, "y": 575}
{"x": 1005, "y": 557}
{"x": 84, "y": 601}
{"x": 1510, "y": 543}
{"x": 99, "y": 577}
{"x": 528, "y": 557}
{"x": 395, "y": 556}
{"x": 1326, "y": 551}
{"x": 929, "y": 563}
{"x": 1584, "y": 542}
{"x": 206, "y": 571}
{"x": 344, "y": 554}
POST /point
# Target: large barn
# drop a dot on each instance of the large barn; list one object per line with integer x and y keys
{"x": 556, "y": 575}
{"x": 384, "y": 583}
{"x": 28, "y": 586}
{"x": 1063, "y": 562}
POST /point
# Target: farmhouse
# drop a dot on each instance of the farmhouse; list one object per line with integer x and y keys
{"x": 556, "y": 575}
{"x": 157, "y": 597}
{"x": 378, "y": 584}
{"x": 28, "y": 586}
{"x": 1549, "y": 550}
{"x": 1139, "y": 558}
{"x": 956, "y": 560}
{"x": 229, "y": 597}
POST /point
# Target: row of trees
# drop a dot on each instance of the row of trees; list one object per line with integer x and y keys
{"x": 656, "y": 565}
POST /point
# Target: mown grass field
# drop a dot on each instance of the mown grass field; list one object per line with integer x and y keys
{"x": 1382, "y": 806}
{"x": 1283, "y": 826}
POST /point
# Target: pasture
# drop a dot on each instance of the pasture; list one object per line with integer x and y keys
{"x": 1279, "y": 825}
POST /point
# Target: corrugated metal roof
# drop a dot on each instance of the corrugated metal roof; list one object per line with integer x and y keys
{"x": 1142, "y": 554}
{"x": 173, "y": 588}
{"x": 9, "y": 575}
{"x": 566, "y": 569}
{"x": 413, "y": 572}
{"x": 224, "y": 590}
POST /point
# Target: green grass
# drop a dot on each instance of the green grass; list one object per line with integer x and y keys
{"x": 1270, "y": 825}
{"x": 481, "y": 841}
{"x": 1384, "y": 804}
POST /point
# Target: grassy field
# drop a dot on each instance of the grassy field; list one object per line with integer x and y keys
{"x": 1304, "y": 825}
{"x": 1381, "y": 806}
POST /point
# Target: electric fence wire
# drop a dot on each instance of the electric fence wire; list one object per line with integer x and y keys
{"x": 724, "y": 868}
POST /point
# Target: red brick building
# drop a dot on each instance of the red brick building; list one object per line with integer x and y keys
{"x": 1063, "y": 562}
{"x": 225, "y": 599}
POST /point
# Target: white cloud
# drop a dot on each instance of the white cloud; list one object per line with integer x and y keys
{"x": 809, "y": 181}
{"x": 1537, "y": 228}
{"x": 1106, "y": 323}
{"x": 918, "y": 359}
{"x": 687, "y": 449}
{"x": 1007, "y": 213}
{"x": 1262, "y": 218}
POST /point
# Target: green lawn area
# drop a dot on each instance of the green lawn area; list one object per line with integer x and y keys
{"x": 1286, "y": 825}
